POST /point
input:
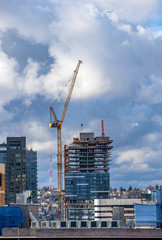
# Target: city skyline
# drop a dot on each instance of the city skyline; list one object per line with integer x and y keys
{"x": 120, "y": 80}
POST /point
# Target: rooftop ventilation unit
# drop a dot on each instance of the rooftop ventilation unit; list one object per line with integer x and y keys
{"x": 84, "y": 224}
{"x": 63, "y": 224}
{"x": 94, "y": 224}
{"x": 44, "y": 224}
{"x": 105, "y": 224}
{"x": 55, "y": 224}
{"x": 34, "y": 224}
{"x": 74, "y": 224}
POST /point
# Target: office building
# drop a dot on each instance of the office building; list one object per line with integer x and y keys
{"x": 145, "y": 215}
{"x": 2, "y": 184}
{"x": 31, "y": 173}
{"x": 3, "y": 159}
{"x": 115, "y": 209}
{"x": 20, "y": 168}
{"x": 159, "y": 206}
{"x": 16, "y": 167}
{"x": 149, "y": 213}
{"x": 86, "y": 163}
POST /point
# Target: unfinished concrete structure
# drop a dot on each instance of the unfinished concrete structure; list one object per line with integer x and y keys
{"x": 86, "y": 163}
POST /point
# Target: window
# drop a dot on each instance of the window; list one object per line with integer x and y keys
{"x": 3, "y": 148}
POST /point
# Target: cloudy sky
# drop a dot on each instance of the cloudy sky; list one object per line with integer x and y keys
{"x": 120, "y": 80}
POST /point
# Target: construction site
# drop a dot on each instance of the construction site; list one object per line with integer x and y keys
{"x": 86, "y": 168}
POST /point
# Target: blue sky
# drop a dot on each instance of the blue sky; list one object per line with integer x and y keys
{"x": 120, "y": 80}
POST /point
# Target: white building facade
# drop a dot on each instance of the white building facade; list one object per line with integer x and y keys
{"x": 114, "y": 209}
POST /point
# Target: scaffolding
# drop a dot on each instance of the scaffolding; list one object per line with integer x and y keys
{"x": 88, "y": 155}
{"x": 86, "y": 168}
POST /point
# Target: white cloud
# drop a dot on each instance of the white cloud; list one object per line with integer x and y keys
{"x": 121, "y": 65}
{"x": 41, "y": 146}
{"x": 8, "y": 78}
{"x": 113, "y": 16}
{"x": 25, "y": 17}
{"x": 76, "y": 31}
{"x": 30, "y": 82}
{"x": 151, "y": 91}
{"x": 133, "y": 156}
{"x": 38, "y": 136}
{"x": 138, "y": 160}
{"x": 153, "y": 141}
{"x": 157, "y": 32}
{"x": 125, "y": 27}
{"x": 158, "y": 119}
{"x": 130, "y": 10}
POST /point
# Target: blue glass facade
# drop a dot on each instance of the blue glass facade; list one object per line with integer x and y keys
{"x": 159, "y": 195}
{"x": 80, "y": 214}
{"x": 20, "y": 168}
{"x": 145, "y": 215}
{"x": 31, "y": 173}
{"x": 159, "y": 215}
{"x": 159, "y": 207}
{"x": 85, "y": 186}
{"x": 16, "y": 167}
{"x": 150, "y": 214}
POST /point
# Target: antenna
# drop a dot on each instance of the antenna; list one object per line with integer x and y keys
{"x": 102, "y": 127}
{"x": 51, "y": 170}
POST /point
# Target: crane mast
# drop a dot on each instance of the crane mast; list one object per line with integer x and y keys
{"x": 57, "y": 124}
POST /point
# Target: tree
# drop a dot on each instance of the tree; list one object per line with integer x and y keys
{"x": 130, "y": 188}
{"x": 121, "y": 189}
{"x": 156, "y": 187}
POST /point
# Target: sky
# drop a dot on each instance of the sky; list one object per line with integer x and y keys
{"x": 120, "y": 80}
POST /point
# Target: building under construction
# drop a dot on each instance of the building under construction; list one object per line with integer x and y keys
{"x": 86, "y": 162}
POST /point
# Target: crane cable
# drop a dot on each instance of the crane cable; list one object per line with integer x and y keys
{"x": 59, "y": 95}
{"x": 81, "y": 103}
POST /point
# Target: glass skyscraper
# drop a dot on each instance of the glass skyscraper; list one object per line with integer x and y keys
{"x": 3, "y": 159}
{"x": 31, "y": 173}
{"x": 16, "y": 167}
{"x": 20, "y": 168}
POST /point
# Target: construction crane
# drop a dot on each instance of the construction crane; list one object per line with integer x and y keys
{"x": 57, "y": 124}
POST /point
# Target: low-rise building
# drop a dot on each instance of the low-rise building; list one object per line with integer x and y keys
{"x": 114, "y": 209}
{"x": 149, "y": 215}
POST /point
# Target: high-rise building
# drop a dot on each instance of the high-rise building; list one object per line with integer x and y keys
{"x": 86, "y": 163}
{"x": 20, "y": 168}
{"x": 31, "y": 173}
{"x": 3, "y": 159}
{"x": 16, "y": 167}
{"x": 2, "y": 184}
